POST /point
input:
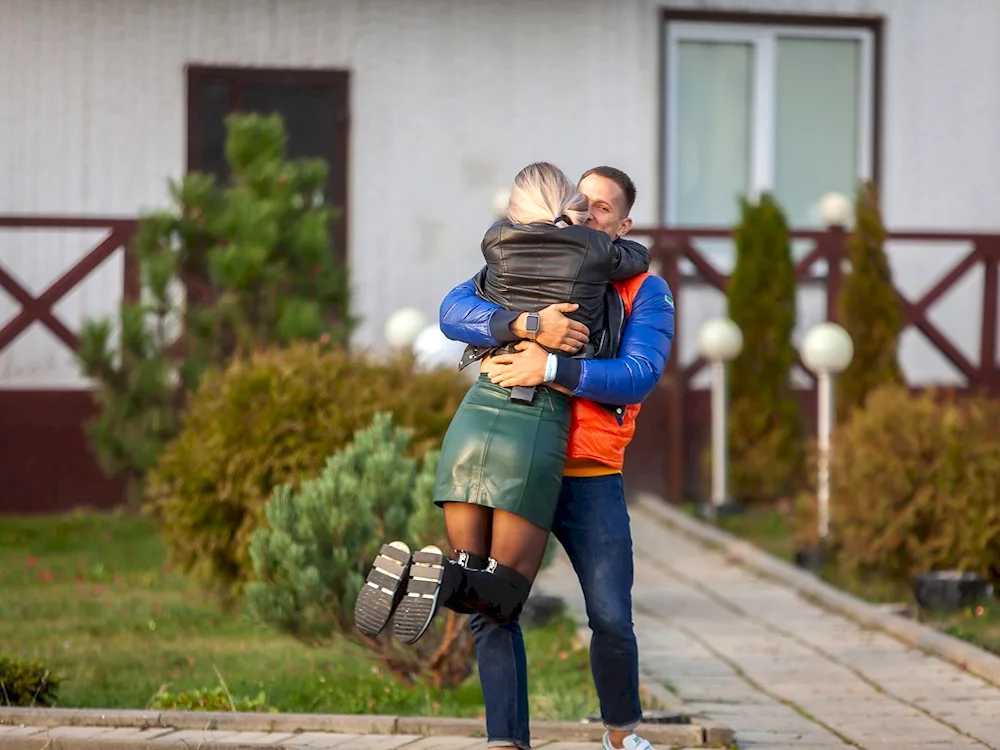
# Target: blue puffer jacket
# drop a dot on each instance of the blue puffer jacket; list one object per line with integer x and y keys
{"x": 628, "y": 379}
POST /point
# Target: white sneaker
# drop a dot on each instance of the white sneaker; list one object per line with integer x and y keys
{"x": 631, "y": 742}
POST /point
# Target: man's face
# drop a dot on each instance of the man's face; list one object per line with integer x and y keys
{"x": 607, "y": 205}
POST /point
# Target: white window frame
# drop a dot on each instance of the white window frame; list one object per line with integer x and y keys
{"x": 763, "y": 40}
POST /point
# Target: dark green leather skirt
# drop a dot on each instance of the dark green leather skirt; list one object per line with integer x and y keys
{"x": 506, "y": 454}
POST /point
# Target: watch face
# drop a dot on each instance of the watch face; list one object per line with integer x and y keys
{"x": 532, "y": 323}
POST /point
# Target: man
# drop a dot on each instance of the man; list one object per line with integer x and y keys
{"x": 592, "y": 521}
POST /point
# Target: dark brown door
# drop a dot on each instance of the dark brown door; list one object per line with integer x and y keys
{"x": 313, "y": 103}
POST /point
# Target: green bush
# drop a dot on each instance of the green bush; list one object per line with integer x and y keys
{"x": 311, "y": 560}
{"x": 765, "y": 426}
{"x": 272, "y": 420}
{"x": 914, "y": 486}
{"x": 256, "y": 260}
{"x": 869, "y": 309}
{"x": 27, "y": 683}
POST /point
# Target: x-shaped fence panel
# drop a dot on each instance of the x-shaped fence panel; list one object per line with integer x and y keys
{"x": 669, "y": 246}
{"x": 40, "y": 308}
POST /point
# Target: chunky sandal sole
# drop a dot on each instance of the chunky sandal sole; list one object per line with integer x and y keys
{"x": 383, "y": 590}
{"x": 416, "y": 612}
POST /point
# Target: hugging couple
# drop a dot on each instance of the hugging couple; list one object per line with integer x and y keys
{"x": 570, "y": 333}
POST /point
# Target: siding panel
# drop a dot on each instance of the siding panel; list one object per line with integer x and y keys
{"x": 449, "y": 100}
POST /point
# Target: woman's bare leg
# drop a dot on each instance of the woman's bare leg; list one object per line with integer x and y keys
{"x": 468, "y": 528}
{"x": 517, "y": 543}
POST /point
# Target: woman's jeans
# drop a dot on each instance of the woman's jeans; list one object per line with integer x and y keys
{"x": 592, "y": 524}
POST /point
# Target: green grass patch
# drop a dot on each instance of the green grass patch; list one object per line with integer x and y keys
{"x": 768, "y": 528}
{"x": 979, "y": 625}
{"x": 91, "y": 596}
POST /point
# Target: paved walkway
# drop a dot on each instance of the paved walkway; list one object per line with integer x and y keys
{"x": 781, "y": 671}
{"x": 92, "y": 738}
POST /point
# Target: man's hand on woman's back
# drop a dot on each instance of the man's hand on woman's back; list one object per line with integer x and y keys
{"x": 555, "y": 331}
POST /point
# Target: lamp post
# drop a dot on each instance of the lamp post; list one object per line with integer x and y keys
{"x": 835, "y": 210}
{"x": 403, "y": 327}
{"x": 499, "y": 203}
{"x": 827, "y": 350}
{"x": 720, "y": 341}
{"x": 432, "y": 349}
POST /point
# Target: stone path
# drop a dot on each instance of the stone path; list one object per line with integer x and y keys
{"x": 91, "y": 738}
{"x": 780, "y": 670}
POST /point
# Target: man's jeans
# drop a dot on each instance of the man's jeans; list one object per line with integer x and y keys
{"x": 592, "y": 524}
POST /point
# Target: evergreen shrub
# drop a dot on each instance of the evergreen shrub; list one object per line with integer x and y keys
{"x": 271, "y": 420}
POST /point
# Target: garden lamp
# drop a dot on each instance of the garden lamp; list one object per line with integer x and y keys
{"x": 499, "y": 202}
{"x": 835, "y": 210}
{"x": 720, "y": 341}
{"x": 827, "y": 350}
{"x": 432, "y": 349}
{"x": 403, "y": 327}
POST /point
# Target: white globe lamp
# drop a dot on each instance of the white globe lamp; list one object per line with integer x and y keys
{"x": 499, "y": 203}
{"x": 836, "y": 210}
{"x": 432, "y": 349}
{"x": 720, "y": 341}
{"x": 827, "y": 350}
{"x": 403, "y": 327}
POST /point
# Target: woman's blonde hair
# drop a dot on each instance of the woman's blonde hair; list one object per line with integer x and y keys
{"x": 542, "y": 193}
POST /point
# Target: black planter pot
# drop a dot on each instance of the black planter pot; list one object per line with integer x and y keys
{"x": 709, "y": 511}
{"x": 812, "y": 558}
{"x": 950, "y": 589}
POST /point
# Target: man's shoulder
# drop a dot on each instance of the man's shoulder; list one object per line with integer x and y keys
{"x": 630, "y": 287}
{"x": 647, "y": 283}
{"x": 644, "y": 287}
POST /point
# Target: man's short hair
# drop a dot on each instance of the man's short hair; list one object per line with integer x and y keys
{"x": 618, "y": 177}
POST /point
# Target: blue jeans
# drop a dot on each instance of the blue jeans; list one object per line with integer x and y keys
{"x": 592, "y": 524}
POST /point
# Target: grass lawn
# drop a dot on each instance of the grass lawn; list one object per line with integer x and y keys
{"x": 91, "y": 597}
{"x": 771, "y": 530}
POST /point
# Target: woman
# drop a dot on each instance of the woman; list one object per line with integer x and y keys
{"x": 501, "y": 464}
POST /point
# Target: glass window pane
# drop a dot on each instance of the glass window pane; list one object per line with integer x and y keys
{"x": 817, "y": 139}
{"x": 311, "y": 118}
{"x": 209, "y": 129}
{"x": 714, "y": 104}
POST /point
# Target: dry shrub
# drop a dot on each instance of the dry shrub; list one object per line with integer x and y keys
{"x": 915, "y": 484}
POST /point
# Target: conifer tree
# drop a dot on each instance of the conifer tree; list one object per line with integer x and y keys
{"x": 869, "y": 308}
{"x": 765, "y": 429}
{"x": 311, "y": 559}
{"x": 224, "y": 270}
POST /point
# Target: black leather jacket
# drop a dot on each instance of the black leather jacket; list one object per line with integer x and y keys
{"x": 532, "y": 266}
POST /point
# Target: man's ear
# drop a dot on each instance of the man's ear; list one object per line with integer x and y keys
{"x": 625, "y": 226}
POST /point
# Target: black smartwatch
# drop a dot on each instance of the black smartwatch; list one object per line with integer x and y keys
{"x": 531, "y": 324}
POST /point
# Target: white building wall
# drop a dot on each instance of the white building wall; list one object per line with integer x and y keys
{"x": 448, "y": 100}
